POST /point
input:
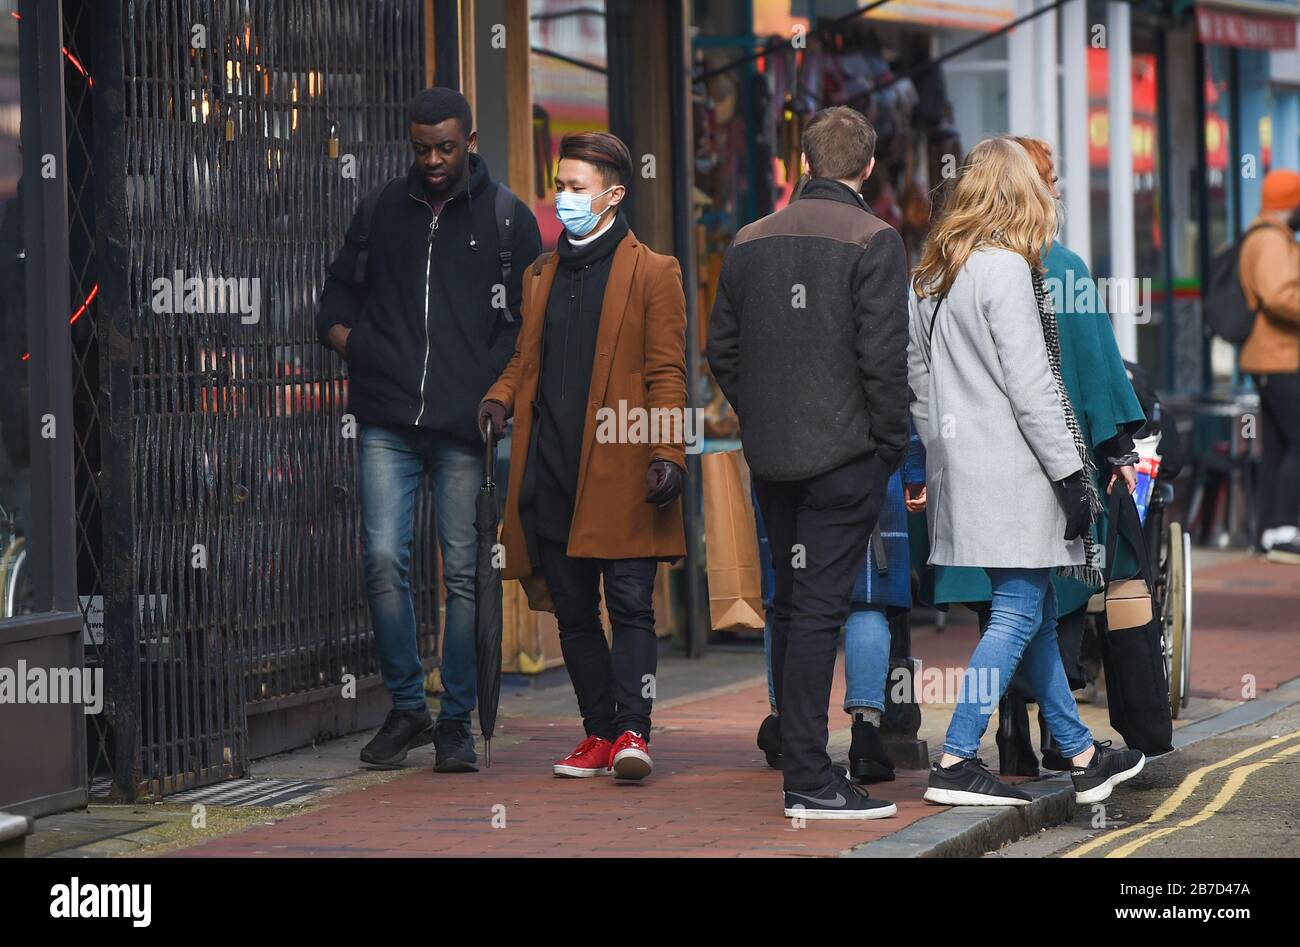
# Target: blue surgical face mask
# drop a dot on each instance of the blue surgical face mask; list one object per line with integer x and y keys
{"x": 574, "y": 211}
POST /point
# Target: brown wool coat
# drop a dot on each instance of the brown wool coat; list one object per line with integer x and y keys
{"x": 640, "y": 360}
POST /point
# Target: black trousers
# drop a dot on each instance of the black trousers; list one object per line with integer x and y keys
{"x": 1279, "y": 468}
{"x": 615, "y": 687}
{"x": 818, "y": 529}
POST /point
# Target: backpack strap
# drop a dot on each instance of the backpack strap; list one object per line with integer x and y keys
{"x": 368, "y": 205}
{"x": 504, "y": 204}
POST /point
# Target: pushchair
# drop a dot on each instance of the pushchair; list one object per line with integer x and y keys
{"x": 1160, "y": 448}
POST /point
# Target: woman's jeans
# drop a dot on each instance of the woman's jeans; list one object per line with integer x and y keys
{"x": 394, "y": 462}
{"x": 866, "y": 659}
{"x": 1021, "y": 633}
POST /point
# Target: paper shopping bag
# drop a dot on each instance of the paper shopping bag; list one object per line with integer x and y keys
{"x": 731, "y": 546}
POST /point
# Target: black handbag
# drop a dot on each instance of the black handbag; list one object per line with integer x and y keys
{"x": 1132, "y": 647}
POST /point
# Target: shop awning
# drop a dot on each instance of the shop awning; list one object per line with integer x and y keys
{"x": 1248, "y": 24}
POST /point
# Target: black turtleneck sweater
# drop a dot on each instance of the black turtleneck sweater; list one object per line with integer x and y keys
{"x": 568, "y": 352}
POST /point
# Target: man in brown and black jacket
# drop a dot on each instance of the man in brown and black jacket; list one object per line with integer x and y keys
{"x": 808, "y": 341}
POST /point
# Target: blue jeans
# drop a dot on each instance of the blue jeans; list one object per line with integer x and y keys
{"x": 866, "y": 659}
{"x": 394, "y": 461}
{"x": 1021, "y": 633}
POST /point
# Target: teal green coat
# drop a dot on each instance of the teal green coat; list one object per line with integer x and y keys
{"x": 1102, "y": 395}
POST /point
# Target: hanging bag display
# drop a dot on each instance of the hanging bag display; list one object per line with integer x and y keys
{"x": 1132, "y": 647}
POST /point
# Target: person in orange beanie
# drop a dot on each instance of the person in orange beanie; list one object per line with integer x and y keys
{"x": 1270, "y": 278}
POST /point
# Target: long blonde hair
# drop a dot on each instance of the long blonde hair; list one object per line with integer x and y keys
{"x": 998, "y": 200}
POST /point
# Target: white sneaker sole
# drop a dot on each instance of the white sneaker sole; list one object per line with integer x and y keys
{"x": 959, "y": 797}
{"x": 881, "y": 812}
{"x": 632, "y": 764}
{"x": 578, "y": 772}
{"x": 1280, "y": 555}
{"x": 1102, "y": 792}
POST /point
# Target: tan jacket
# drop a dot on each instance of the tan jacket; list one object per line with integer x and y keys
{"x": 641, "y": 362}
{"x": 1269, "y": 268}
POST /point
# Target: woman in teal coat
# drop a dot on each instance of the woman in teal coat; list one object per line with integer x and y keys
{"x": 1109, "y": 414}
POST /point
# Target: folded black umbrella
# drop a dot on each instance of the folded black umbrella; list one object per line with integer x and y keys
{"x": 487, "y": 598}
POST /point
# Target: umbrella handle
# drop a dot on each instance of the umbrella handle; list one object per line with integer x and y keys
{"x": 490, "y": 456}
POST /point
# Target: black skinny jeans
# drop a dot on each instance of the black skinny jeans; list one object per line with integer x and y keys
{"x": 1279, "y": 469}
{"x": 615, "y": 687}
{"x": 818, "y": 529}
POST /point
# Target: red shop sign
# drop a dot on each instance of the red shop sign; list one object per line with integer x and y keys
{"x": 1220, "y": 28}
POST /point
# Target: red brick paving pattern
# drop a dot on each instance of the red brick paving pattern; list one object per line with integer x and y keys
{"x": 711, "y": 794}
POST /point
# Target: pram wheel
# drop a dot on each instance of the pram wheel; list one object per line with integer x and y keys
{"x": 1176, "y": 614}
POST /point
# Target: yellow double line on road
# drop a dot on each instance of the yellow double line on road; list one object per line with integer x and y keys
{"x": 1235, "y": 781}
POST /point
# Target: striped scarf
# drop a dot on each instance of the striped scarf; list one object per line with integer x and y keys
{"x": 1090, "y": 572}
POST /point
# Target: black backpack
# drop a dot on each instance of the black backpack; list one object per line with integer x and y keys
{"x": 504, "y": 206}
{"x": 1227, "y": 311}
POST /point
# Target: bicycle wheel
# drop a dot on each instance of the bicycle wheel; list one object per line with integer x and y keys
{"x": 1175, "y": 615}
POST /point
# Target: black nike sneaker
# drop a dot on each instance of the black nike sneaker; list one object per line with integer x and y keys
{"x": 868, "y": 761}
{"x": 969, "y": 783}
{"x": 402, "y": 731}
{"x": 769, "y": 740}
{"x": 1109, "y": 768}
{"x": 838, "y": 799}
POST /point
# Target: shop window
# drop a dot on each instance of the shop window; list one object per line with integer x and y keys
{"x": 570, "y": 93}
{"x": 17, "y": 564}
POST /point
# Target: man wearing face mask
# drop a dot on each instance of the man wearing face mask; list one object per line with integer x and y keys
{"x": 603, "y": 342}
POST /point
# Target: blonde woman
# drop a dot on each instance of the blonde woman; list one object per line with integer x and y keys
{"x": 1009, "y": 483}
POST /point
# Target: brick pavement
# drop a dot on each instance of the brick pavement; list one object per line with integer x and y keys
{"x": 711, "y": 794}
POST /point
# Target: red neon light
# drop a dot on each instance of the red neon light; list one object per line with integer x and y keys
{"x": 77, "y": 315}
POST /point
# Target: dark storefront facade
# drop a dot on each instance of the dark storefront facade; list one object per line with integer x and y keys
{"x": 194, "y": 525}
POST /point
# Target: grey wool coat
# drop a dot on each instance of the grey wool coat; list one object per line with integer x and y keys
{"x": 987, "y": 409}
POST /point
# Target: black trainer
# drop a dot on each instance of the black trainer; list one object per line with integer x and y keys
{"x": 868, "y": 761}
{"x": 453, "y": 747}
{"x": 969, "y": 783}
{"x": 769, "y": 740}
{"x": 838, "y": 799}
{"x": 402, "y": 731}
{"x": 1053, "y": 760}
{"x": 1108, "y": 768}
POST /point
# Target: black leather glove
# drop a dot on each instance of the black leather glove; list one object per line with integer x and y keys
{"x": 494, "y": 411}
{"x": 1074, "y": 500}
{"x": 663, "y": 482}
{"x": 1119, "y": 450}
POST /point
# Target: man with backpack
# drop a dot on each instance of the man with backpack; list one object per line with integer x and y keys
{"x": 1269, "y": 269}
{"x": 422, "y": 302}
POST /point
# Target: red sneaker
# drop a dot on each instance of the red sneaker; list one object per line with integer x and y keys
{"x": 591, "y": 758}
{"x": 630, "y": 758}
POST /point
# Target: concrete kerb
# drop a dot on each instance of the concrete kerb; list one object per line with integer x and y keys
{"x": 972, "y": 831}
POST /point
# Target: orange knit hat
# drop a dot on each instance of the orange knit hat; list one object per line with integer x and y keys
{"x": 1281, "y": 191}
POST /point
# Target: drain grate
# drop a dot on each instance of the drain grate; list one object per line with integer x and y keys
{"x": 236, "y": 793}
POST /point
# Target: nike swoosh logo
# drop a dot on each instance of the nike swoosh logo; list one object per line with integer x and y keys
{"x": 839, "y": 799}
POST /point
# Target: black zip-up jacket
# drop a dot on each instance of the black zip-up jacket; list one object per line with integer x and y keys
{"x": 427, "y": 341}
{"x": 808, "y": 336}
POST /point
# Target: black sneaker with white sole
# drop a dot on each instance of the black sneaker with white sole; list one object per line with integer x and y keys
{"x": 969, "y": 783}
{"x": 1107, "y": 769}
{"x": 838, "y": 799}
